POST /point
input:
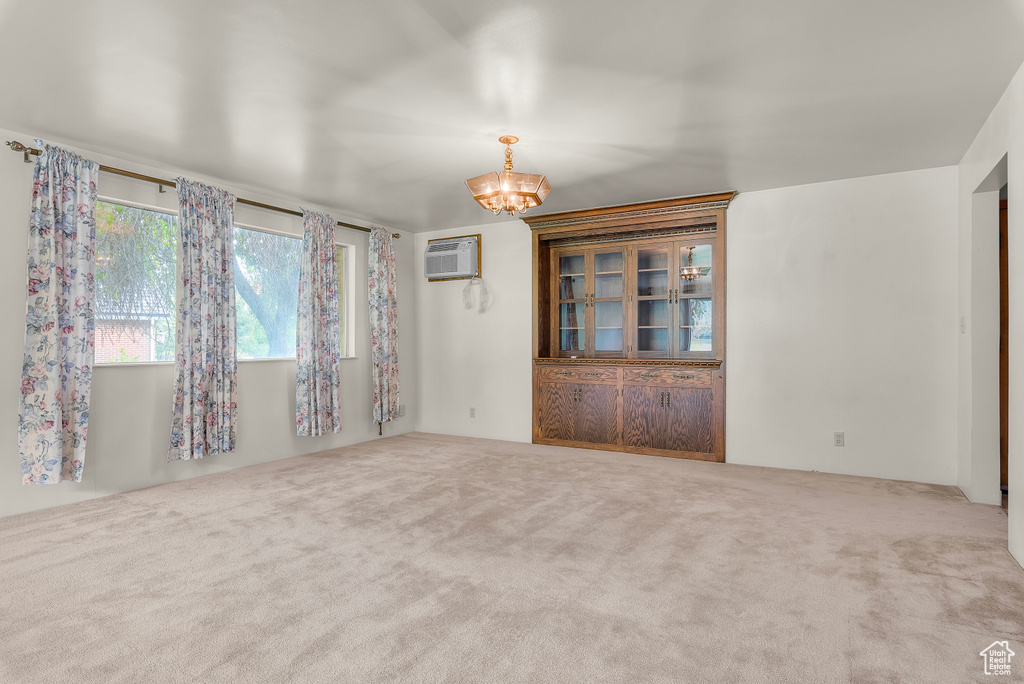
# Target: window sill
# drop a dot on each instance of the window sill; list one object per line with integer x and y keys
{"x": 288, "y": 358}
{"x": 135, "y": 364}
{"x": 123, "y": 364}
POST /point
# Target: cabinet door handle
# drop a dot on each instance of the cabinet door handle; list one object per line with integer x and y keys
{"x": 668, "y": 399}
{"x": 592, "y": 375}
{"x": 679, "y": 376}
{"x": 580, "y": 394}
{"x": 662, "y": 398}
{"x": 646, "y": 375}
{"x": 563, "y": 373}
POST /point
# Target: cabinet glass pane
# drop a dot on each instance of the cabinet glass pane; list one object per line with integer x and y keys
{"x": 608, "y": 285}
{"x": 571, "y": 265}
{"x": 652, "y": 340}
{"x": 695, "y": 298}
{"x": 703, "y": 284}
{"x": 571, "y": 339}
{"x": 652, "y": 312}
{"x": 608, "y": 262}
{"x": 608, "y": 326}
{"x": 608, "y": 314}
{"x": 608, "y": 339}
{"x": 570, "y": 322}
{"x": 571, "y": 315}
{"x": 652, "y": 271}
{"x": 652, "y": 318}
{"x": 571, "y": 287}
{"x": 695, "y": 331}
{"x": 652, "y": 258}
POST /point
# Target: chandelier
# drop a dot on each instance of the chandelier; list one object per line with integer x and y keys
{"x": 689, "y": 273}
{"x": 509, "y": 191}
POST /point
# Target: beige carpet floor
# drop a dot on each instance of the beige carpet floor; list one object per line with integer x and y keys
{"x": 424, "y": 558}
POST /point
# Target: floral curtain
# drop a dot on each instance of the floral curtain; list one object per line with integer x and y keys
{"x": 206, "y": 387}
{"x": 383, "y": 325}
{"x": 56, "y": 378}
{"x": 317, "y": 331}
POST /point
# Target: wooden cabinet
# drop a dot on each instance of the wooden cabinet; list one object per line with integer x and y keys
{"x": 667, "y": 410}
{"x": 629, "y": 328}
{"x": 670, "y": 409}
{"x": 574, "y": 412}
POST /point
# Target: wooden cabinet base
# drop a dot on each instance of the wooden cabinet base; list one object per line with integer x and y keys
{"x": 661, "y": 408}
{"x": 692, "y": 455}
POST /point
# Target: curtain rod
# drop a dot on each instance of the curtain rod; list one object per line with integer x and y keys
{"x": 19, "y": 147}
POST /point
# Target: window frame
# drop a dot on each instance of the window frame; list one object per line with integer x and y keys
{"x": 346, "y": 286}
{"x": 346, "y": 292}
{"x": 177, "y": 285}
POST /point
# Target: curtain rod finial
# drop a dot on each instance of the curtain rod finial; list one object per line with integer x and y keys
{"x": 18, "y": 147}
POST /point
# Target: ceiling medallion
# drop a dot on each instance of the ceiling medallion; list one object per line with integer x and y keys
{"x": 509, "y": 191}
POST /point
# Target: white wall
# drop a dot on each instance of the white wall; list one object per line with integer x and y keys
{"x": 842, "y": 317}
{"x": 129, "y": 423}
{"x": 1001, "y": 136}
{"x": 471, "y": 359}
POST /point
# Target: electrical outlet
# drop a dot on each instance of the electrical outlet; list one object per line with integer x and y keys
{"x": 840, "y": 439}
{"x": 401, "y": 410}
{"x": 472, "y": 411}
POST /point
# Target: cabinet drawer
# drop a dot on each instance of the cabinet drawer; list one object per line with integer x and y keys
{"x": 578, "y": 374}
{"x": 685, "y": 377}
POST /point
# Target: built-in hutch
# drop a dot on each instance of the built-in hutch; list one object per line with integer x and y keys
{"x": 629, "y": 327}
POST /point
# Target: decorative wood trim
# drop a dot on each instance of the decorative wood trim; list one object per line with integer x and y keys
{"x": 634, "y": 213}
{"x": 690, "y": 363}
{"x": 677, "y": 231}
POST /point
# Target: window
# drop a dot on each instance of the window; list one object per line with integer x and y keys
{"x": 267, "y": 288}
{"x": 136, "y": 288}
{"x": 267, "y": 292}
{"x": 135, "y": 274}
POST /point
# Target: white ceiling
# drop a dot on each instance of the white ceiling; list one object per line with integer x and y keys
{"x": 383, "y": 108}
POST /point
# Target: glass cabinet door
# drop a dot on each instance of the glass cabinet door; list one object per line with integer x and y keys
{"x": 647, "y": 299}
{"x": 653, "y": 315}
{"x": 694, "y": 293}
{"x": 572, "y": 298}
{"x": 607, "y": 302}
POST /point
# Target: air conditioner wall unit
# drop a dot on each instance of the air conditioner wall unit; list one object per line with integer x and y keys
{"x": 452, "y": 258}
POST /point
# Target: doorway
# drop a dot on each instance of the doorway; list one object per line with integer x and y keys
{"x": 1004, "y": 347}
